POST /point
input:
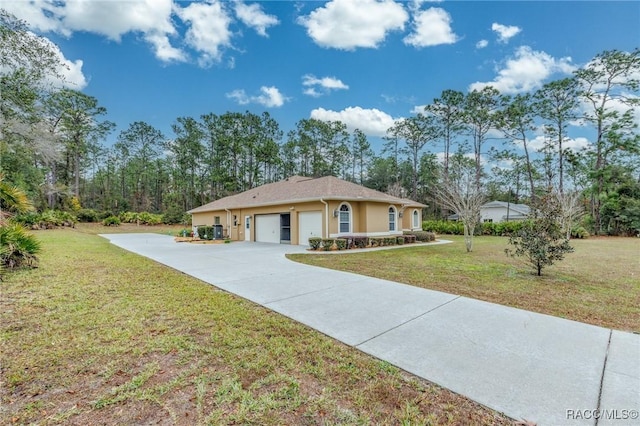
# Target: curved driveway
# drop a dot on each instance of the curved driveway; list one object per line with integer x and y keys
{"x": 527, "y": 365}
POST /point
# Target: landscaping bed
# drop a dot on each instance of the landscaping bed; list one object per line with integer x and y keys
{"x": 350, "y": 242}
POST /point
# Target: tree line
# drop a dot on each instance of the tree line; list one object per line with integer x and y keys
{"x": 52, "y": 145}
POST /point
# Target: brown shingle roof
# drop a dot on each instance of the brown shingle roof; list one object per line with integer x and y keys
{"x": 300, "y": 189}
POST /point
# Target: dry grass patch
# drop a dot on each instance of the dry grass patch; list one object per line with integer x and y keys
{"x": 598, "y": 284}
{"x": 98, "y": 335}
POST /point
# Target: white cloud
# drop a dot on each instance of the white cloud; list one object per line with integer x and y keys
{"x": 209, "y": 32}
{"x": 41, "y": 15}
{"x": 575, "y": 144}
{"x": 372, "y": 122}
{"x": 482, "y": 44}
{"x": 505, "y": 32}
{"x": 69, "y": 72}
{"x": 253, "y": 16}
{"x": 163, "y": 48}
{"x": 269, "y": 96}
{"x": 349, "y": 24}
{"x": 526, "y": 71}
{"x": 431, "y": 27}
{"x": 316, "y": 87}
{"x": 112, "y": 19}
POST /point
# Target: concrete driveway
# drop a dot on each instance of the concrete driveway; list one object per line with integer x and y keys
{"x": 527, "y": 365}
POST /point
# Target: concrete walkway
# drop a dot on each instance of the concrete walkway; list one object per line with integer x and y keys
{"x": 527, "y": 365}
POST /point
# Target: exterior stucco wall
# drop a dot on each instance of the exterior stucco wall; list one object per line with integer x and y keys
{"x": 367, "y": 218}
{"x": 407, "y": 219}
{"x": 235, "y": 229}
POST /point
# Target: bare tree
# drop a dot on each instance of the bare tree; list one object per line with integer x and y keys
{"x": 461, "y": 193}
{"x": 571, "y": 209}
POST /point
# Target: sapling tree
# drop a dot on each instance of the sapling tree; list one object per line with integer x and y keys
{"x": 541, "y": 240}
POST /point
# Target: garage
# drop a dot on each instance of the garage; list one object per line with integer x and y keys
{"x": 267, "y": 228}
{"x": 309, "y": 225}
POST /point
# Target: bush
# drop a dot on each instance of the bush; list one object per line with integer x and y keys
{"x": 327, "y": 244}
{"x": 111, "y": 221}
{"x": 17, "y": 247}
{"x": 28, "y": 219}
{"x": 87, "y": 215}
{"x": 579, "y": 232}
{"x": 443, "y": 227}
{"x": 424, "y": 236}
{"x": 376, "y": 241}
{"x": 360, "y": 242}
{"x": 341, "y": 243}
{"x": 205, "y": 232}
{"x": 389, "y": 241}
{"x": 104, "y": 214}
{"x": 184, "y": 232}
{"x": 173, "y": 215}
{"x": 400, "y": 240}
{"x": 409, "y": 237}
{"x": 314, "y": 243}
{"x": 506, "y": 229}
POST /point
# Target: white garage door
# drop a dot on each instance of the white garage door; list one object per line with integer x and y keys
{"x": 309, "y": 225}
{"x": 268, "y": 228}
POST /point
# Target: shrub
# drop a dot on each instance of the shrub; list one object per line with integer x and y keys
{"x": 376, "y": 241}
{"x": 147, "y": 218}
{"x": 389, "y": 241}
{"x": 360, "y": 242}
{"x": 409, "y": 237}
{"x": 173, "y": 215}
{"x": 314, "y": 243}
{"x": 111, "y": 221}
{"x": 87, "y": 215}
{"x": 104, "y": 214}
{"x": 205, "y": 232}
{"x": 506, "y": 229}
{"x": 424, "y": 236}
{"x": 579, "y": 232}
{"x": 443, "y": 227}
{"x": 400, "y": 240}
{"x": 27, "y": 219}
{"x": 341, "y": 243}
{"x": 17, "y": 247}
{"x": 327, "y": 244}
{"x": 184, "y": 232}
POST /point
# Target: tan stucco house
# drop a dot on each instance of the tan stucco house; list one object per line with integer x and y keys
{"x": 295, "y": 209}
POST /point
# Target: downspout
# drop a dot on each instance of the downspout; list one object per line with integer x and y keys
{"x": 228, "y": 223}
{"x": 326, "y": 218}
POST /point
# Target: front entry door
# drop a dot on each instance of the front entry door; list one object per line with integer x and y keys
{"x": 247, "y": 228}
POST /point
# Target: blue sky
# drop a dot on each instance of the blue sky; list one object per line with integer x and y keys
{"x": 364, "y": 62}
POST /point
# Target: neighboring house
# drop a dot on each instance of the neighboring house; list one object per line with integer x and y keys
{"x": 500, "y": 211}
{"x": 295, "y": 209}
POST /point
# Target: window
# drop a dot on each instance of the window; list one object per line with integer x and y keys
{"x": 344, "y": 218}
{"x": 392, "y": 219}
{"x": 235, "y": 220}
{"x": 216, "y": 220}
{"x": 416, "y": 219}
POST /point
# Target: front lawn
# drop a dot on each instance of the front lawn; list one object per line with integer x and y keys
{"x": 97, "y": 335}
{"x": 598, "y": 284}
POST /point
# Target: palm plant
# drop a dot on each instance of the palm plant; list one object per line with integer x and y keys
{"x": 17, "y": 246}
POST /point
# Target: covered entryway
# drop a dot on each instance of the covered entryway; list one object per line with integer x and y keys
{"x": 309, "y": 225}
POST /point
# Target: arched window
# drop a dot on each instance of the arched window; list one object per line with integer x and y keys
{"x": 344, "y": 219}
{"x": 416, "y": 219}
{"x": 392, "y": 218}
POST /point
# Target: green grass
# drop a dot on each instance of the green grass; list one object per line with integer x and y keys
{"x": 598, "y": 284}
{"x": 97, "y": 335}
